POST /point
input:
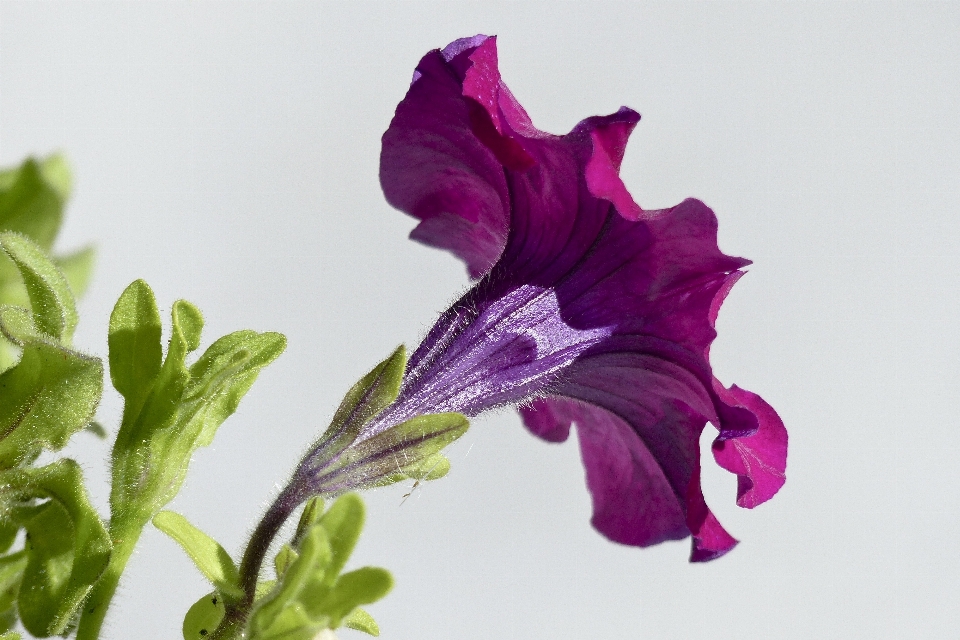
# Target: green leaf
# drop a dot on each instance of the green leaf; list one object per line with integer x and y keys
{"x": 211, "y": 559}
{"x": 56, "y": 172}
{"x": 284, "y": 558}
{"x": 363, "y": 586}
{"x": 183, "y": 407}
{"x": 8, "y": 533}
{"x": 48, "y": 396}
{"x": 368, "y": 397}
{"x": 164, "y": 399}
{"x": 134, "y": 345}
{"x": 203, "y": 617}
{"x": 67, "y": 546}
{"x": 281, "y": 614}
{"x": 311, "y": 596}
{"x": 77, "y": 268}
{"x": 30, "y": 204}
{"x": 223, "y": 375}
{"x": 10, "y": 635}
{"x": 312, "y": 512}
{"x": 51, "y": 299}
{"x": 343, "y": 523}
{"x": 11, "y": 573}
{"x": 97, "y": 429}
{"x": 360, "y": 620}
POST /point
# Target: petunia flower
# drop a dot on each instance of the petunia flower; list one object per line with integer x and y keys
{"x": 586, "y": 310}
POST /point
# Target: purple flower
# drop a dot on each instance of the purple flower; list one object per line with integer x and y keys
{"x": 587, "y": 309}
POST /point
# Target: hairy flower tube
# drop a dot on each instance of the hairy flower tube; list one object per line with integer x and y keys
{"x": 586, "y": 310}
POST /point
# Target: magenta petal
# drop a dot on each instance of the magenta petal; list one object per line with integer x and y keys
{"x": 759, "y": 460}
{"x": 434, "y": 168}
{"x": 633, "y": 501}
{"x": 603, "y": 169}
{"x": 545, "y": 421}
{"x": 710, "y": 539}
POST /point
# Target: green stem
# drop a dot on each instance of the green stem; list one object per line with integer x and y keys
{"x": 95, "y": 608}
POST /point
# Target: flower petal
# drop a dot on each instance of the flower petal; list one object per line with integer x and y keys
{"x": 434, "y": 168}
{"x": 710, "y": 539}
{"x": 758, "y": 456}
{"x": 603, "y": 169}
{"x": 633, "y": 501}
{"x": 759, "y": 460}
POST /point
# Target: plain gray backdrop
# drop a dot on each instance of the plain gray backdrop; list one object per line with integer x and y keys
{"x": 228, "y": 152}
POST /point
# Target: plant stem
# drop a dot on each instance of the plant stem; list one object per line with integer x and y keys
{"x": 237, "y": 612}
{"x": 125, "y": 537}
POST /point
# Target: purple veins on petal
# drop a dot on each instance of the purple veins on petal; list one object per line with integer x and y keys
{"x": 586, "y": 310}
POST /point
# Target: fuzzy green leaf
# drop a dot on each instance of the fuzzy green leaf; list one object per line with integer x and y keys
{"x": 363, "y": 586}
{"x": 48, "y": 396}
{"x": 184, "y": 406}
{"x": 51, "y": 299}
{"x": 134, "y": 345}
{"x": 360, "y": 620}
{"x": 284, "y": 558}
{"x": 311, "y": 596}
{"x": 343, "y": 523}
{"x": 281, "y": 614}
{"x": 67, "y": 546}
{"x": 32, "y": 198}
{"x": 11, "y": 573}
{"x": 211, "y": 558}
{"x": 203, "y": 617}
{"x": 432, "y": 467}
{"x": 312, "y": 512}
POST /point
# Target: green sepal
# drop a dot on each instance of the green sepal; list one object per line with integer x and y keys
{"x": 432, "y": 467}
{"x": 67, "y": 544}
{"x": 311, "y": 595}
{"x": 360, "y": 620}
{"x": 203, "y": 617}
{"x": 211, "y": 558}
{"x": 411, "y": 449}
{"x": 10, "y": 635}
{"x": 368, "y": 397}
{"x": 52, "y": 301}
{"x": 49, "y": 395}
{"x": 172, "y": 409}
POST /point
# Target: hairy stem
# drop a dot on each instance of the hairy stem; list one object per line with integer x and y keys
{"x": 278, "y": 513}
{"x": 125, "y": 537}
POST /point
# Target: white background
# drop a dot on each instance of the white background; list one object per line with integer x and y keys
{"x": 228, "y": 154}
